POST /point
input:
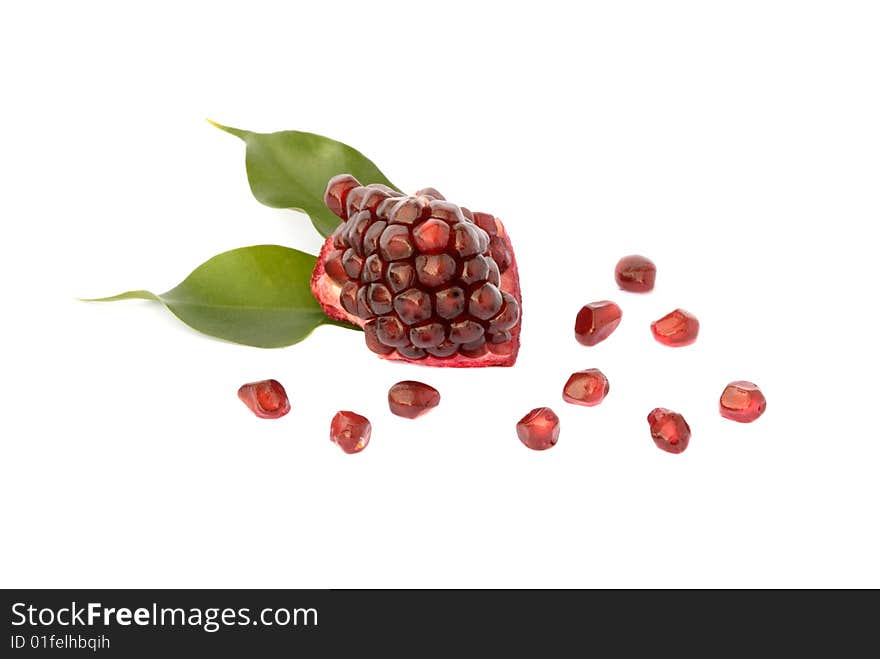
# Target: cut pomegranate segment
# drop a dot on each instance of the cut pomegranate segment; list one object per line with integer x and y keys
{"x": 676, "y": 329}
{"x": 742, "y": 401}
{"x": 429, "y": 282}
{"x": 350, "y": 431}
{"x": 266, "y": 398}
{"x": 635, "y": 274}
{"x": 596, "y": 321}
{"x": 411, "y": 399}
{"x": 669, "y": 430}
{"x": 587, "y": 388}
{"x": 539, "y": 429}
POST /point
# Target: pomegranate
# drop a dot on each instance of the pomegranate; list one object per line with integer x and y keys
{"x": 428, "y": 281}
{"x": 267, "y": 399}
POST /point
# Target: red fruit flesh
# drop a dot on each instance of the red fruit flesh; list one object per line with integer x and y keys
{"x": 742, "y": 401}
{"x": 430, "y": 282}
{"x": 266, "y": 398}
{"x": 350, "y": 431}
{"x": 539, "y": 429}
{"x": 676, "y": 329}
{"x": 596, "y": 321}
{"x": 635, "y": 274}
{"x": 411, "y": 399}
{"x": 586, "y": 388}
{"x": 669, "y": 430}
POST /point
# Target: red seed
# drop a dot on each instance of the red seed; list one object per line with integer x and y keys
{"x": 587, "y": 388}
{"x": 676, "y": 329}
{"x": 350, "y": 431}
{"x": 266, "y": 398}
{"x": 742, "y": 401}
{"x": 635, "y": 274}
{"x": 337, "y": 191}
{"x": 539, "y": 429}
{"x": 411, "y": 399}
{"x": 669, "y": 430}
{"x": 596, "y": 321}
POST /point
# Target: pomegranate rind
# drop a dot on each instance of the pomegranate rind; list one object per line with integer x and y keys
{"x": 326, "y": 292}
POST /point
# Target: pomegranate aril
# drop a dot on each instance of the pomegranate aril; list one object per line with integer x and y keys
{"x": 539, "y": 429}
{"x": 587, "y": 388}
{"x": 364, "y": 310}
{"x": 352, "y": 263}
{"x": 596, "y": 321}
{"x": 348, "y": 297}
{"x": 371, "y": 237}
{"x": 474, "y": 349}
{"x": 742, "y": 401}
{"x": 411, "y": 352}
{"x": 411, "y": 399}
{"x": 371, "y": 337}
{"x": 475, "y": 270}
{"x": 408, "y": 210}
{"x": 465, "y": 331}
{"x": 466, "y": 239}
{"x": 431, "y": 237}
{"x": 413, "y": 306}
{"x": 507, "y": 317}
{"x": 635, "y": 273}
{"x": 669, "y": 430}
{"x": 500, "y": 343}
{"x": 395, "y": 243}
{"x": 372, "y": 270}
{"x": 444, "y": 210}
{"x": 430, "y": 192}
{"x": 487, "y": 223}
{"x": 427, "y": 336}
{"x": 500, "y": 253}
{"x": 336, "y": 194}
{"x": 391, "y": 331}
{"x": 676, "y": 329}
{"x": 494, "y": 276}
{"x": 379, "y": 299}
{"x": 357, "y": 227}
{"x": 485, "y": 301}
{"x": 333, "y": 267}
{"x": 350, "y": 431}
{"x": 449, "y": 303}
{"x": 445, "y": 349}
{"x": 266, "y": 398}
{"x": 400, "y": 276}
{"x": 435, "y": 269}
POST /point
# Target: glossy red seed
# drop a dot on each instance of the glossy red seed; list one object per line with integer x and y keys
{"x": 669, "y": 430}
{"x": 429, "y": 335}
{"x": 485, "y": 301}
{"x": 587, "y": 388}
{"x": 539, "y": 429}
{"x": 500, "y": 253}
{"x": 333, "y": 267}
{"x": 411, "y": 399}
{"x": 449, "y": 302}
{"x": 391, "y": 331}
{"x": 400, "y": 276}
{"x": 371, "y": 337}
{"x": 435, "y": 269}
{"x": 395, "y": 243}
{"x": 266, "y": 398}
{"x": 431, "y": 237}
{"x": 596, "y": 321}
{"x": 635, "y": 274}
{"x": 742, "y": 401}
{"x": 413, "y": 306}
{"x": 676, "y": 329}
{"x": 350, "y": 431}
{"x": 408, "y": 210}
{"x": 336, "y": 194}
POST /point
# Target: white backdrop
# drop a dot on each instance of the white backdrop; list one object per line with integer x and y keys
{"x": 736, "y": 144}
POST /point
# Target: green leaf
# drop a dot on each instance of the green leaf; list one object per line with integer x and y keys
{"x": 258, "y": 296}
{"x": 290, "y": 169}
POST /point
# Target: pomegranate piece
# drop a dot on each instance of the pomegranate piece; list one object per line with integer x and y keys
{"x": 350, "y": 431}
{"x": 669, "y": 430}
{"x": 596, "y": 321}
{"x": 266, "y": 398}
{"x": 587, "y": 388}
{"x": 428, "y": 281}
{"x": 742, "y": 401}
{"x": 676, "y": 329}
{"x": 539, "y": 429}
{"x": 635, "y": 274}
{"x": 411, "y": 399}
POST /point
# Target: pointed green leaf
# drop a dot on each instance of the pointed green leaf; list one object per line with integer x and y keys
{"x": 258, "y": 296}
{"x": 290, "y": 169}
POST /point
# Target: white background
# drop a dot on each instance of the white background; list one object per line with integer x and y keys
{"x": 736, "y": 144}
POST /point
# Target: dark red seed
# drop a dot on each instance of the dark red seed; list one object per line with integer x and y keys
{"x": 446, "y": 349}
{"x": 408, "y": 210}
{"x": 372, "y": 270}
{"x": 587, "y": 388}
{"x": 380, "y": 299}
{"x": 449, "y": 302}
{"x": 352, "y": 263}
{"x": 596, "y": 321}
{"x": 435, "y": 270}
{"x": 742, "y": 401}
{"x": 364, "y": 310}
{"x": 494, "y": 276}
{"x": 500, "y": 253}
{"x": 500, "y": 343}
{"x": 466, "y": 239}
{"x": 372, "y": 339}
{"x": 539, "y": 429}
{"x": 465, "y": 331}
{"x": 357, "y": 227}
{"x": 635, "y": 274}
{"x": 431, "y": 237}
{"x": 485, "y": 301}
{"x": 411, "y": 399}
{"x": 391, "y": 331}
{"x": 676, "y": 329}
{"x": 507, "y": 317}
{"x": 413, "y": 306}
{"x": 400, "y": 276}
{"x": 430, "y": 335}
{"x": 474, "y": 349}
{"x": 350, "y": 431}
{"x": 430, "y": 192}
{"x": 333, "y": 267}
{"x": 348, "y": 297}
{"x": 266, "y": 398}
{"x": 336, "y": 194}
{"x": 411, "y": 352}
{"x": 395, "y": 243}
{"x": 371, "y": 237}
{"x": 475, "y": 270}
{"x": 669, "y": 430}
{"x": 444, "y": 210}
